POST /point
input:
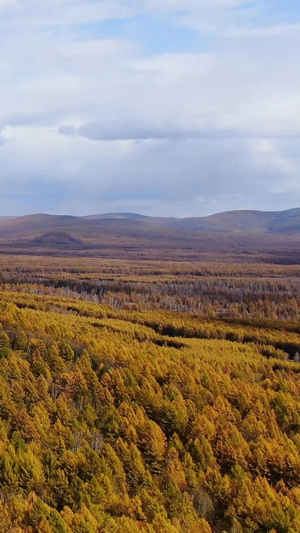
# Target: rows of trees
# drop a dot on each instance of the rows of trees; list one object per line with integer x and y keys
{"x": 137, "y": 420}
{"x": 238, "y": 292}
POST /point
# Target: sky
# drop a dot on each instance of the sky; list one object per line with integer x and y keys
{"x": 161, "y": 107}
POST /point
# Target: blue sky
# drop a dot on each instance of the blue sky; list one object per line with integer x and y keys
{"x": 173, "y": 108}
{"x": 154, "y": 34}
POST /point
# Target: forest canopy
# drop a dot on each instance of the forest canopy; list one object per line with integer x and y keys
{"x": 126, "y": 408}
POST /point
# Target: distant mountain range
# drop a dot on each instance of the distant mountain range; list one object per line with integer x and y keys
{"x": 242, "y": 221}
{"x": 276, "y": 233}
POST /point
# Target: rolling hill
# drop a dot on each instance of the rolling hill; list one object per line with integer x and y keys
{"x": 230, "y": 221}
{"x": 57, "y": 239}
{"x": 286, "y": 222}
{"x": 248, "y": 221}
{"x": 275, "y": 235}
{"x": 225, "y": 222}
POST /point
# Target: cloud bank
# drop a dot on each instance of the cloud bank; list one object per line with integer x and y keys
{"x": 165, "y": 108}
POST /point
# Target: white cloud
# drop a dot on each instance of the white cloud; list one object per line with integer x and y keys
{"x": 5, "y": 4}
{"x": 33, "y": 14}
{"x": 277, "y": 30}
{"x": 95, "y": 121}
{"x": 171, "y": 6}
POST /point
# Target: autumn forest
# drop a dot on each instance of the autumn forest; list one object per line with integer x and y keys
{"x": 149, "y": 396}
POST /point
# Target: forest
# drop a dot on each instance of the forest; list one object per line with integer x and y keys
{"x": 149, "y": 396}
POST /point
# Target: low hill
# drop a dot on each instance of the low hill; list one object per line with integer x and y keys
{"x": 239, "y": 221}
{"x": 286, "y": 222}
{"x": 119, "y": 216}
{"x": 228, "y": 221}
{"x": 36, "y": 222}
{"x": 57, "y": 239}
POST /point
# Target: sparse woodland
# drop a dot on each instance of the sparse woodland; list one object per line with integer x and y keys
{"x": 149, "y": 397}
